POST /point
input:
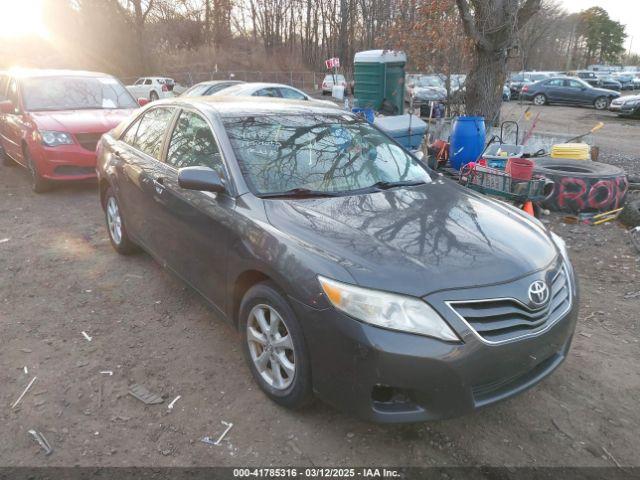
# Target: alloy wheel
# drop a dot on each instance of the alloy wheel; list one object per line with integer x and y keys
{"x": 539, "y": 100}
{"x": 601, "y": 103}
{"x": 271, "y": 347}
{"x": 114, "y": 221}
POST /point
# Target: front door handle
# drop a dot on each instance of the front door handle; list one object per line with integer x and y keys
{"x": 158, "y": 183}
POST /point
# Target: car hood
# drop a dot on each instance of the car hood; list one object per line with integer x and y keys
{"x": 417, "y": 240}
{"x": 628, "y": 98}
{"x": 80, "y": 121}
{"x": 606, "y": 91}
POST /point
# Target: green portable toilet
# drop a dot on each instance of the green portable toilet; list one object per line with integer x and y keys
{"x": 379, "y": 75}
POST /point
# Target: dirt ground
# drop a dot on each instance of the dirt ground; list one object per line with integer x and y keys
{"x": 59, "y": 277}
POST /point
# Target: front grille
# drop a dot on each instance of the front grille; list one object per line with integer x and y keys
{"x": 503, "y": 319}
{"x": 89, "y": 141}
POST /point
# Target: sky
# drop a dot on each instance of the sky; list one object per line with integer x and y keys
{"x": 626, "y": 12}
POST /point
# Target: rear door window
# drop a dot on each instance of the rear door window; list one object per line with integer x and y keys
{"x": 292, "y": 94}
{"x": 147, "y": 81}
{"x": 151, "y": 131}
{"x": 192, "y": 144}
{"x": 267, "y": 92}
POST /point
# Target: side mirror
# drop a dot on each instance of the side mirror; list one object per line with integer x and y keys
{"x": 143, "y": 101}
{"x": 200, "y": 178}
{"x": 6, "y": 106}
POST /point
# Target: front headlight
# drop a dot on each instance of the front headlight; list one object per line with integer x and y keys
{"x": 631, "y": 103}
{"x": 53, "y": 139}
{"x": 387, "y": 310}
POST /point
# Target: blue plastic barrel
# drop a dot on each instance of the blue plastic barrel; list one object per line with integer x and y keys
{"x": 467, "y": 140}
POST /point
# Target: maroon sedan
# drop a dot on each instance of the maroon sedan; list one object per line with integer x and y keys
{"x": 51, "y": 121}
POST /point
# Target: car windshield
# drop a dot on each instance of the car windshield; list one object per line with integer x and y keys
{"x": 321, "y": 153}
{"x": 75, "y": 93}
{"x": 538, "y": 76}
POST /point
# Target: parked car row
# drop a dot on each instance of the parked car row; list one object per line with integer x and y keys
{"x": 52, "y": 119}
{"x": 616, "y": 81}
{"x": 433, "y": 88}
{"x": 317, "y": 236}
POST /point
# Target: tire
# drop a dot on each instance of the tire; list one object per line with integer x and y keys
{"x": 153, "y": 96}
{"x": 118, "y": 236}
{"x": 630, "y": 214}
{"x": 291, "y": 390}
{"x": 38, "y": 184}
{"x": 540, "y": 99}
{"x": 582, "y": 185}
{"x": 601, "y": 103}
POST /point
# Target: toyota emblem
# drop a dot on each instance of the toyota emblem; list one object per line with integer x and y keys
{"x": 538, "y": 292}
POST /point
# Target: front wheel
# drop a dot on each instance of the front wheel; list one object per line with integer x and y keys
{"x": 38, "y": 183}
{"x": 601, "y": 103}
{"x": 540, "y": 99}
{"x": 274, "y": 346}
{"x": 118, "y": 235}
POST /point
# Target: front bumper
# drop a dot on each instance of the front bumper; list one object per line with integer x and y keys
{"x": 395, "y": 377}
{"x": 629, "y": 110}
{"x": 65, "y": 162}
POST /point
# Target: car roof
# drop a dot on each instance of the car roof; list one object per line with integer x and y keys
{"x": 233, "y": 106}
{"x": 36, "y": 73}
{"x": 251, "y": 87}
{"x": 216, "y": 82}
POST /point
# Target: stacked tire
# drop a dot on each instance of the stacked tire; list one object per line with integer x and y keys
{"x": 583, "y": 186}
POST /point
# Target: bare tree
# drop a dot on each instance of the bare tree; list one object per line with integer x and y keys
{"x": 493, "y": 26}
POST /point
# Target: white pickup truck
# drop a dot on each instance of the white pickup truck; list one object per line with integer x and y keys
{"x": 153, "y": 88}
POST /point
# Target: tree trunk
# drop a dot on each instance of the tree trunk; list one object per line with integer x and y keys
{"x": 493, "y": 25}
{"x": 484, "y": 84}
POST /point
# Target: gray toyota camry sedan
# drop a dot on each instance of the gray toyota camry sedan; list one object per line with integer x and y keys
{"x": 352, "y": 271}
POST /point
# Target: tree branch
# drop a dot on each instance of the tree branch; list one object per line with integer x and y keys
{"x": 470, "y": 26}
{"x": 146, "y": 12}
{"x": 528, "y": 10}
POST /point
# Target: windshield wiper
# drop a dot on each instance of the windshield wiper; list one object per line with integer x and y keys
{"x": 298, "y": 193}
{"x": 385, "y": 185}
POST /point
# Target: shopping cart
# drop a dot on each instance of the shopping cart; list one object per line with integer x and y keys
{"x": 492, "y": 181}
